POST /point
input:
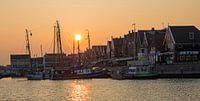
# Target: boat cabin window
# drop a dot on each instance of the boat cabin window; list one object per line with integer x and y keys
{"x": 143, "y": 50}
{"x": 138, "y": 69}
{"x": 144, "y": 70}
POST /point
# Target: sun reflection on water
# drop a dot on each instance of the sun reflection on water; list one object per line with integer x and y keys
{"x": 80, "y": 91}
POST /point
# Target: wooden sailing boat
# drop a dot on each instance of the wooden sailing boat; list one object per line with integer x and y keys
{"x": 77, "y": 71}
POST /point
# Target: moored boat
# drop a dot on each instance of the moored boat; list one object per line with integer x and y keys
{"x": 149, "y": 75}
{"x": 79, "y": 73}
{"x": 135, "y": 70}
{"x": 35, "y": 76}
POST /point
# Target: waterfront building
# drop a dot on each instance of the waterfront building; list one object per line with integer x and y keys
{"x": 142, "y": 44}
{"x": 181, "y": 44}
{"x": 132, "y": 44}
{"x": 117, "y": 47}
{"x": 149, "y": 44}
{"x": 155, "y": 40}
{"x": 99, "y": 52}
{"x": 37, "y": 62}
{"x": 20, "y": 61}
{"x": 125, "y": 46}
{"x": 109, "y": 50}
{"x": 53, "y": 60}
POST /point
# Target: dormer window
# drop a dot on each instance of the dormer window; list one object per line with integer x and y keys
{"x": 191, "y": 35}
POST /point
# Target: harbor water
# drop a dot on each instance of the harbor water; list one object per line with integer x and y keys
{"x": 100, "y": 90}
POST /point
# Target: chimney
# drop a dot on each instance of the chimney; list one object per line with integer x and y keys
{"x": 153, "y": 29}
{"x": 129, "y": 32}
{"x": 111, "y": 37}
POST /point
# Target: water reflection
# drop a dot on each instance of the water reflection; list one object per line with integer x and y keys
{"x": 100, "y": 90}
{"x": 80, "y": 91}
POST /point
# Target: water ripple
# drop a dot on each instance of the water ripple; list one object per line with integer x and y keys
{"x": 100, "y": 90}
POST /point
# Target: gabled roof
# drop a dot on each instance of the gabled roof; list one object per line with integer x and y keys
{"x": 117, "y": 41}
{"x": 181, "y": 34}
{"x": 156, "y": 39}
{"x": 141, "y": 34}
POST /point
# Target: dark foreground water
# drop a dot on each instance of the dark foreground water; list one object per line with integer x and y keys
{"x": 100, "y": 90}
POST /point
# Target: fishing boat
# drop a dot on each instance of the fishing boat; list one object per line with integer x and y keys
{"x": 79, "y": 73}
{"x": 134, "y": 69}
{"x": 143, "y": 70}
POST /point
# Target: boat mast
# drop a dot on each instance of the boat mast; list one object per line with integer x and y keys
{"x": 88, "y": 37}
{"x": 28, "y": 48}
{"x": 78, "y": 48}
{"x": 54, "y": 40}
{"x": 58, "y": 43}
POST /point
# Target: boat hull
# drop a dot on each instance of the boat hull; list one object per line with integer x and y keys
{"x": 38, "y": 76}
{"x": 82, "y": 76}
{"x": 146, "y": 76}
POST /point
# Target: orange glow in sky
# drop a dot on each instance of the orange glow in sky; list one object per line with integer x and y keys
{"x": 103, "y": 18}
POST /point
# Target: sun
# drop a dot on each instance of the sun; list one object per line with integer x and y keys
{"x": 77, "y": 37}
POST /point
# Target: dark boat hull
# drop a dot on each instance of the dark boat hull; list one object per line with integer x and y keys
{"x": 147, "y": 76}
{"x": 80, "y": 76}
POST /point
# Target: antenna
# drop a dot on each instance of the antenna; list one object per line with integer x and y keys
{"x": 134, "y": 27}
{"x": 41, "y": 50}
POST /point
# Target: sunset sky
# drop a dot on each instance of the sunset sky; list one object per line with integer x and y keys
{"x": 103, "y": 18}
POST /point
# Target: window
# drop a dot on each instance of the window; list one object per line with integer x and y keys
{"x": 191, "y": 35}
{"x": 188, "y": 58}
{"x": 180, "y": 46}
{"x": 194, "y": 57}
{"x": 142, "y": 50}
{"x": 182, "y": 58}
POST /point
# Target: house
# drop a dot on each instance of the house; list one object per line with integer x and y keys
{"x": 99, "y": 52}
{"x": 149, "y": 44}
{"x": 109, "y": 49}
{"x": 37, "y": 62}
{"x": 181, "y": 44}
{"x": 54, "y": 60}
{"x": 155, "y": 39}
{"x": 132, "y": 44}
{"x": 117, "y": 47}
{"x": 142, "y": 44}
